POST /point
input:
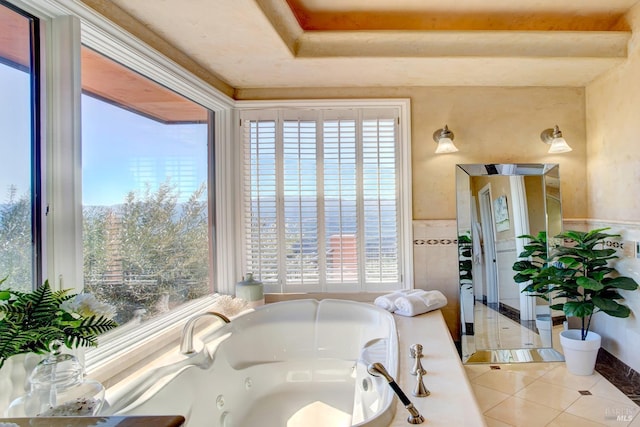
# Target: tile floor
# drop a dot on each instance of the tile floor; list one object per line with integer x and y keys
{"x": 546, "y": 394}
{"x": 494, "y": 330}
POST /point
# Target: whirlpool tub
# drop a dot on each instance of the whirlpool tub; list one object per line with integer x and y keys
{"x": 295, "y": 363}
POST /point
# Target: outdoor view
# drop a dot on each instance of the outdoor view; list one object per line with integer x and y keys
{"x": 16, "y": 137}
{"x": 144, "y": 191}
{"x": 144, "y": 182}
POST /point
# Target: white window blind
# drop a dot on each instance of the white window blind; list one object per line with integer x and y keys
{"x": 321, "y": 199}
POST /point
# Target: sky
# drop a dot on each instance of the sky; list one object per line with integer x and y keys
{"x": 121, "y": 150}
{"x": 15, "y": 132}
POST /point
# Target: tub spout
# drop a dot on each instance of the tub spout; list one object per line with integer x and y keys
{"x": 186, "y": 347}
{"x": 378, "y": 370}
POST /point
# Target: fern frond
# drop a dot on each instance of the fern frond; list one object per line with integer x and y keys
{"x": 74, "y": 340}
{"x": 14, "y": 341}
{"x": 62, "y": 295}
{"x": 12, "y": 309}
{"x": 94, "y": 325}
{"x": 44, "y": 305}
{"x": 31, "y": 321}
{"x": 39, "y": 306}
{"x": 11, "y": 340}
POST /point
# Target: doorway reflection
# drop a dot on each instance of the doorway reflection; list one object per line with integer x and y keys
{"x": 494, "y": 330}
{"x": 496, "y": 205}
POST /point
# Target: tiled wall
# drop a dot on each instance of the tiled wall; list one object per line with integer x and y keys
{"x": 435, "y": 264}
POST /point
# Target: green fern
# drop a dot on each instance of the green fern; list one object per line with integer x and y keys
{"x": 85, "y": 334}
{"x": 32, "y": 321}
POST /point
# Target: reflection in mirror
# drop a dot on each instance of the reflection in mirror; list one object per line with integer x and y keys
{"x": 496, "y": 203}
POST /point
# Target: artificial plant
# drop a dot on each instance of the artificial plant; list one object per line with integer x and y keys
{"x": 580, "y": 272}
{"x": 533, "y": 270}
{"x": 31, "y": 321}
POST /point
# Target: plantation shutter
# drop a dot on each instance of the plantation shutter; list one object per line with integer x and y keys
{"x": 260, "y": 201}
{"x": 300, "y": 202}
{"x": 320, "y": 197}
{"x": 380, "y": 194}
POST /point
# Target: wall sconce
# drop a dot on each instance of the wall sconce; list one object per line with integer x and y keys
{"x": 444, "y": 138}
{"x": 554, "y": 138}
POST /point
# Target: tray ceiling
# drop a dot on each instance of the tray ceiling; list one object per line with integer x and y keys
{"x": 374, "y": 43}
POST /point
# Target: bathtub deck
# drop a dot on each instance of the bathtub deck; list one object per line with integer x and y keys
{"x": 452, "y": 402}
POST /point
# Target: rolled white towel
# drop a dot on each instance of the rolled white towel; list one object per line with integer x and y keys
{"x": 388, "y": 302}
{"x": 412, "y": 305}
{"x": 434, "y": 299}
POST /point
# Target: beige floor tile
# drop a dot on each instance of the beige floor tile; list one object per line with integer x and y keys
{"x": 561, "y": 377}
{"x": 605, "y": 411}
{"x": 536, "y": 394}
{"x": 522, "y": 413}
{"x": 604, "y": 388}
{"x": 488, "y": 398}
{"x": 505, "y": 381}
{"x": 568, "y": 420}
{"x": 636, "y": 421}
{"x": 474, "y": 370}
{"x": 492, "y": 422}
{"x": 531, "y": 369}
{"x": 550, "y": 395}
{"x": 494, "y": 330}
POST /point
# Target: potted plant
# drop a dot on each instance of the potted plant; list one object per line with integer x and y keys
{"x": 31, "y": 321}
{"x": 36, "y": 322}
{"x": 581, "y": 274}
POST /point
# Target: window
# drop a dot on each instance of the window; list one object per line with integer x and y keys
{"x": 20, "y": 248}
{"x": 157, "y": 149}
{"x": 322, "y": 199}
{"x": 145, "y": 191}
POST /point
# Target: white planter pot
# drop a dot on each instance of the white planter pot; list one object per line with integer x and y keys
{"x": 544, "y": 325}
{"x": 580, "y": 355}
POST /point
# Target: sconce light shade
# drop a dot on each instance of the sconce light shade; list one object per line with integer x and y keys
{"x": 444, "y": 138}
{"x": 554, "y": 138}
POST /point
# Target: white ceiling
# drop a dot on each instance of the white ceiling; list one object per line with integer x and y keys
{"x": 260, "y": 44}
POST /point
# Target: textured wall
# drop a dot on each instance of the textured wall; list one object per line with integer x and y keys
{"x": 491, "y": 125}
{"x": 613, "y": 129}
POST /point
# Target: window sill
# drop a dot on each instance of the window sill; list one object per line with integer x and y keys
{"x": 129, "y": 348}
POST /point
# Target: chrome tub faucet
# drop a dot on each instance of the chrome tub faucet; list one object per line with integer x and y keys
{"x": 186, "y": 346}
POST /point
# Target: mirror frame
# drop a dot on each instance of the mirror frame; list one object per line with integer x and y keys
{"x": 553, "y": 225}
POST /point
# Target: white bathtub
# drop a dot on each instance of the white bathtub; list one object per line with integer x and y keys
{"x": 288, "y": 364}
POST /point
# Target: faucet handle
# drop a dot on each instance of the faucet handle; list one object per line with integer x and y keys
{"x": 420, "y": 390}
{"x": 417, "y": 368}
{"x": 415, "y": 351}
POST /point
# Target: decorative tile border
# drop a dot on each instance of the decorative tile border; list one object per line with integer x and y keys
{"x": 435, "y": 242}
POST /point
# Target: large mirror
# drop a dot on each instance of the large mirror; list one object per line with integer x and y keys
{"x": 496, "y": 203}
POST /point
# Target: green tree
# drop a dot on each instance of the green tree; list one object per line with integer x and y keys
{"x": 95, "y": 236}
{"x": 16, "y": 249}
{"x": 149, "y": 253}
